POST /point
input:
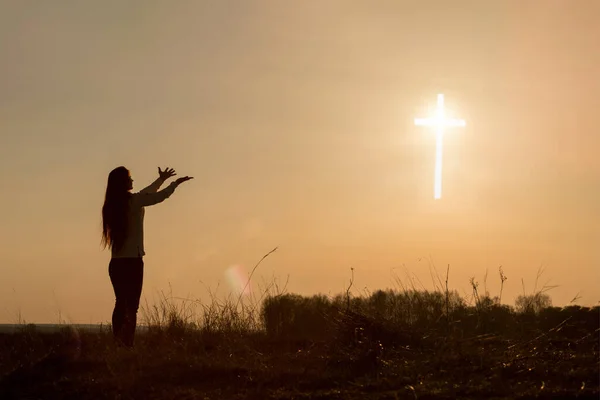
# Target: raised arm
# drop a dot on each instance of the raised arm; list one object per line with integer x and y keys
{"x": 148, "y": 199}
{"x": 162, "y": 177}
{"x": 153, "y": 187}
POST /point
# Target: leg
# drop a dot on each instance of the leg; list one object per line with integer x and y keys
{"x": 119, "y": 281}
{"x": 135, "y": 277}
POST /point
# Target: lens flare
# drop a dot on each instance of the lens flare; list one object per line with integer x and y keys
{"x": 237, "y": 278}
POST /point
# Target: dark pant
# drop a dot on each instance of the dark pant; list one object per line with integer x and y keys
{"x": 126, "y": 275}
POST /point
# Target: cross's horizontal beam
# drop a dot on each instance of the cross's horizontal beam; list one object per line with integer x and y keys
{"x": 439, "y": 122}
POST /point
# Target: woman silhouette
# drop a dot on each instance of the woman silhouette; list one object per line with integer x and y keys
{"x": 123, "y": 233}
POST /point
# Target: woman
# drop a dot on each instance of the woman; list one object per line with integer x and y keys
{"x": 123, "y": 233}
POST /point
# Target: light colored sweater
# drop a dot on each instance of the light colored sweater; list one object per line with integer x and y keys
{"x": 134, "y": 242}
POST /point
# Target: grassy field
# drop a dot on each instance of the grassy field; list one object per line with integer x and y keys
{"x": 315, "y": 348}
{"x": 404, "y": 344}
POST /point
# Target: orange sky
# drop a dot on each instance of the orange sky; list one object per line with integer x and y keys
{"x": 297, "y": 123}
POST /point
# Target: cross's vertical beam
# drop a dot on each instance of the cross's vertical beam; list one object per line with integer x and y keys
{"x": 439, "y": 145}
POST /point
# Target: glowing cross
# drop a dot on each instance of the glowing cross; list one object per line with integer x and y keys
{"x": 440, "y": 122}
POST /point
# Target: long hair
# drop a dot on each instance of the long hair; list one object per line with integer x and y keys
{"x": 115, "y": 209}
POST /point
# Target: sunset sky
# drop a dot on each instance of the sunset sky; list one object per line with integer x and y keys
{"x": 297, "y": 121}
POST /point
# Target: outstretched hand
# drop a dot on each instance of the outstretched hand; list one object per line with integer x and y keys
{"x": 183, "y": 179}
{"x": 167, "y": 173}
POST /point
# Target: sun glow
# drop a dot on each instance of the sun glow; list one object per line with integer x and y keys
{"x": 440, "y": 123}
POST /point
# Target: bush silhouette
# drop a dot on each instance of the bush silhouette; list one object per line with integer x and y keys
{"x": 532, "y": 304}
